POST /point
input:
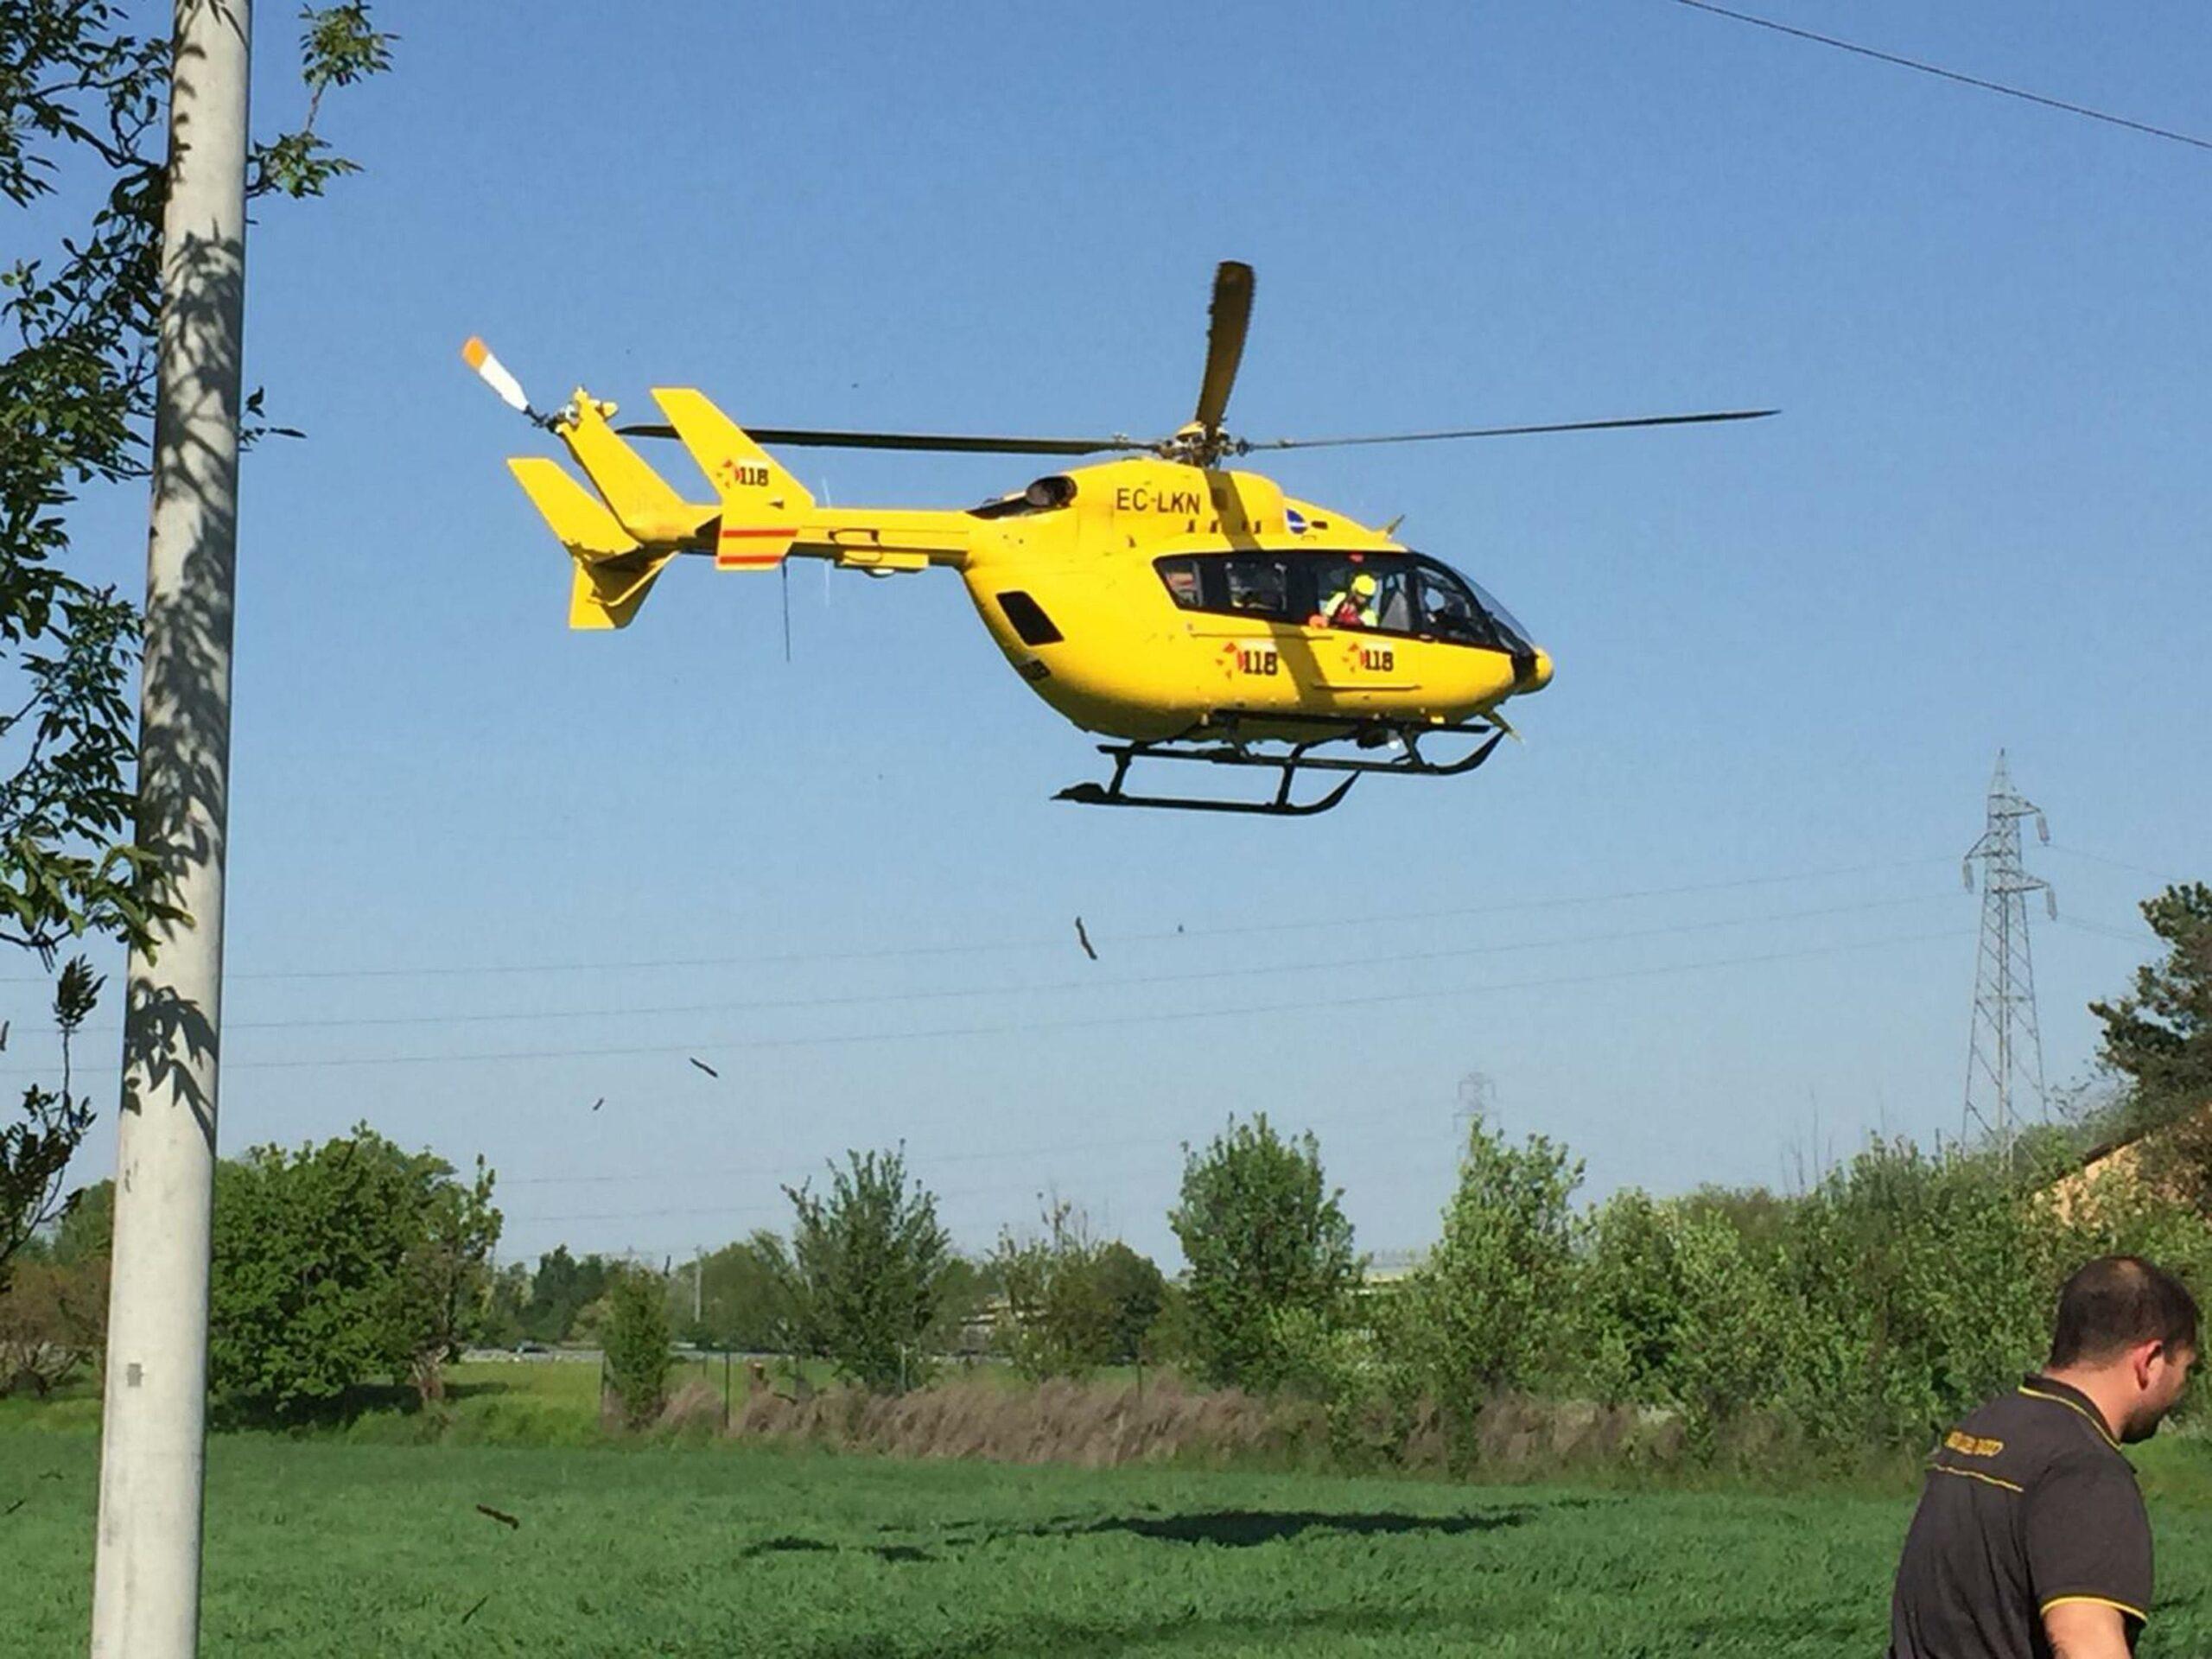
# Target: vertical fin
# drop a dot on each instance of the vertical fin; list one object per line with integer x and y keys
{"x": 762, "y": 505}
{"x": 641, "y": 497}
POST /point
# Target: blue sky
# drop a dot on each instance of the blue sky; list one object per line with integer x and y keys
{"x": 1706, "y": 925}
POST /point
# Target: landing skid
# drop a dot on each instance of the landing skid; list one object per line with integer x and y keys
{"x": 1228, "y": 749}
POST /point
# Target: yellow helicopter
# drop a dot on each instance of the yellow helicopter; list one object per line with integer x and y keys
{"x": 1189, "y": 610}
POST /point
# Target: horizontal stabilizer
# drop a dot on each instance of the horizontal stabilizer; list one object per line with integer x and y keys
{"x": 612, "y": 573}
{"x": 762, "y": 506}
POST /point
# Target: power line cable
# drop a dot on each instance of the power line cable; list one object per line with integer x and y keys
{"x": 1054, "y": 941}
{"x": 1304, "y": 1005}
{"x": 2137, "y": 935}
{"x": 1366, "y": 1116}
{"x": 2072, "y": 851}
{"x": 1089, "y": 986}
{"x": 1950, "y": 74}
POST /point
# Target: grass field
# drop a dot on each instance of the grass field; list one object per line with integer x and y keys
{"x": 322, "y": 1547}
{"x": 364, "y": 1541}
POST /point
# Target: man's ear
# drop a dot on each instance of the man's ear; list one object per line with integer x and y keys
{"x": 2141, "y": 1358}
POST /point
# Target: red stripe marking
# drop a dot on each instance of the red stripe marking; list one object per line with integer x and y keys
{"x": 727, "y": 559}
{"x": 734, "y": 534}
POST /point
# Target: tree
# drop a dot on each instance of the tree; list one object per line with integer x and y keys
{"x": 1135, "y": 1293}
{"x": 81, "y": 106}
{"x": 445, "y": 1277}
{"x": 1263, "y": 1236}
{"x": 1494, "y": 1295}
{"x": 1058, "y": 1321}
{"x": 2160, "y": 1036}
{"x": 35, "y": 1153}
{"x": 636, "y": 1338}
{"x": 869, "y": 1267}
{"x": 505, "y": 1299}
{"x": 561, "y": 1288}
{"x": 335, "y": 1266}
{"x": 744, "y": 1294}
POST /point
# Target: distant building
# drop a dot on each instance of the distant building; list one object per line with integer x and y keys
{"x": 2120, "y": 1161}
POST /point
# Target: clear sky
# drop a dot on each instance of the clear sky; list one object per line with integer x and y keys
{"x": 1706, "y": 925}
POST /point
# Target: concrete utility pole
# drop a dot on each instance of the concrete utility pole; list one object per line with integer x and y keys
{"x": 153, "y": 1442}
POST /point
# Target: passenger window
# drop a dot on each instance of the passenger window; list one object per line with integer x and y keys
{"x": 1182, "y": 576}
{"x": 1258, "y": 583}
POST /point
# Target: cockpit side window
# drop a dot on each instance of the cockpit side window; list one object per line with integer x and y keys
{"x": 1447, "y": 609}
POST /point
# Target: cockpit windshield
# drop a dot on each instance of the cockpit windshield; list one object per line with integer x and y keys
{"x": 1407, "y": 593}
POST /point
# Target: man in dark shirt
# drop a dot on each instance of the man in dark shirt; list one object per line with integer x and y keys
{"x": 2030, "y": 1539}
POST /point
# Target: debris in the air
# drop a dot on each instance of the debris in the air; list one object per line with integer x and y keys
{"x": 1083, "y": 938}
{"x": 473, "y": 1611}
{"x": 13, "y": 1507}
{"x": 704, "y": 1067}
{"x": 500, "y": 1515}
{"x": 601, "y": 1101}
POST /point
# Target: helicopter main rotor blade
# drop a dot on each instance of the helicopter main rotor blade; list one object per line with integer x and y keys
{"x": 1244, "y": 447}
{"x": 1226, "y": 321}
{"x": 950, "y": 443}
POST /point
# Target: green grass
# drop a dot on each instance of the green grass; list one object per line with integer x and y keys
{"x": 322, "y": 1547}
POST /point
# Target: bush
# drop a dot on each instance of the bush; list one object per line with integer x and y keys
{"x": 308, "y": 1249}
{"x": 1629, "y": 1301}
{"x": 636, "y": 1338}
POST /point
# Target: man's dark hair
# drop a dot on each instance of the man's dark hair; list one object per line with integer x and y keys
{"x": 2116, "y": 1301}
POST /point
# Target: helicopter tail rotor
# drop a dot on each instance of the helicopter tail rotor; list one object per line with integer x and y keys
{"x": 496, "y": 375}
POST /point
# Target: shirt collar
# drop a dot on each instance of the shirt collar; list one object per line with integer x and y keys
{"x": 2040, "y": 1386}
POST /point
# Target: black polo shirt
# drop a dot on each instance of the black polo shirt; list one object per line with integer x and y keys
{"x": 2029, "y": 1503}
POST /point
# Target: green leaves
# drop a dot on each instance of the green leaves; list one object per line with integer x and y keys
{"x": 1264, "y": 1236}
{"x": 636, "y": 1343}
{"x": 2160, "y": 1036}
{"x": 869, "y": 1264}
{"x": 35, "y": 1150}
{"x": 336, "y": 1265}
{"x": 82, "y": 97}
{"x": 1492, "y": 1302}
{"x": 1071, "y": 1303}
{"x": 338, "y": 47}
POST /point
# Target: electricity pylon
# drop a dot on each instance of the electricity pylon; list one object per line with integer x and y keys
{"x": 2004, "y": 1060}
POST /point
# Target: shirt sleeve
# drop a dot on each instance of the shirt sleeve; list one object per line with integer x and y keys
{"x": 2088, "y": 1538}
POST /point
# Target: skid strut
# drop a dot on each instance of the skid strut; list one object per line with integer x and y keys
{"x": 1231, "y": 751}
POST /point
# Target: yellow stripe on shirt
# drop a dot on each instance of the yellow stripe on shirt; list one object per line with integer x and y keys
{"x": 1973, "y": 1474}
{"x": 2098, "y": 1601}
{"x": 2093, "y": 1420}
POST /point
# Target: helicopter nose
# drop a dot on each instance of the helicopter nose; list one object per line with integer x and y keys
{"x": 1532, "y": 670}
